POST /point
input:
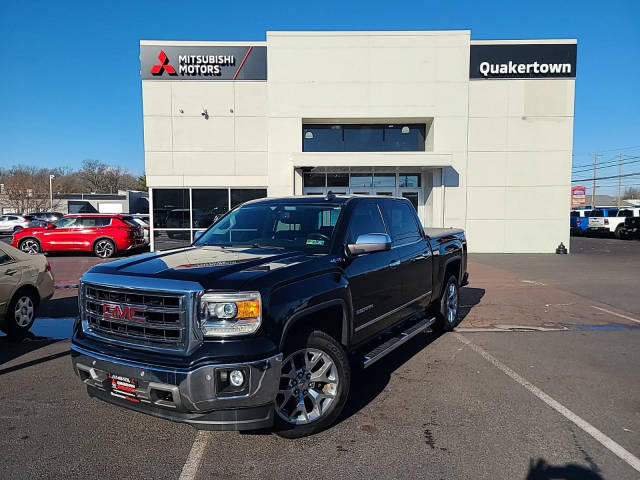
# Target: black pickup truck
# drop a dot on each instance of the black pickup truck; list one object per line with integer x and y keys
{"x": 269, "y": 313}
{"x": 631, "y": 227}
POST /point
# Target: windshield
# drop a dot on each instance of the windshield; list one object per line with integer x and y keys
{"x": 308, "y": 227}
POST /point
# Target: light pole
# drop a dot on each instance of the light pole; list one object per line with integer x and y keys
{"x": 51, "y": 177}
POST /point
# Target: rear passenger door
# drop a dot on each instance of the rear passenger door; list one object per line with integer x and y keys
{"x": 411, "y": 255}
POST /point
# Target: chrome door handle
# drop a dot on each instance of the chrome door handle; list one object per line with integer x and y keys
{"x": 10, "y": 272}
{"x": 426, "y": 253}
{"x": 394, "y": 264}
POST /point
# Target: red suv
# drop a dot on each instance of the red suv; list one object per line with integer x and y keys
{"x": 105, "y": 235}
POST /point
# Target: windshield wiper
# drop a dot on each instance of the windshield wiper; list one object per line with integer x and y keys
{"x": 257, "y": 245}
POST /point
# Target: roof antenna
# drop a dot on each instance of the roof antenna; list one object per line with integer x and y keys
{"x": 330, "y": 196}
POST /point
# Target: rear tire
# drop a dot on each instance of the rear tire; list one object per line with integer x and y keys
{"x": 314, "y": 382}
{"x": 619, "y": 233}
{"x": 30, "y": 246}
{"x": 104, "y": 248}
{"x": 447, "y": 317}
{"x": 21, "y": 312}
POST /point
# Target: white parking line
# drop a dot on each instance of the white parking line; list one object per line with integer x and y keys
{"x": 195, "y": 456}
{"x": 607, "y": 442}
{"x": 616, "y": 314}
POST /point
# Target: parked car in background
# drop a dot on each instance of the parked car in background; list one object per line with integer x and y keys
{"x": 48, "y": 217}
{"x": 25, "y": 281}
{"x": 611, "y": 221}
{"x": 631, "y": 227}
{"x": 105, "y": 235}
{"x": 143, "y": 221}
{"x": 599, "y": 220}
{"x": 580, "y": 221}
{"x": 12, "y": 223}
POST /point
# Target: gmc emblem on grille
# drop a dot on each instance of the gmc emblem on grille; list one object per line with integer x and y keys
{"x": 126, "y": 313}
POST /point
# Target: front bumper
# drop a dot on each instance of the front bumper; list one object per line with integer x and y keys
{"x": 186, "y": 395}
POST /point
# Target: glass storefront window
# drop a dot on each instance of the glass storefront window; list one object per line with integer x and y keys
{"x": 166, "y": 240}
{"x": 363, "y": 138}
{"x": 171, "y": 208}
{"x": 322, "y": 138}
{"x": 337, "y": 179}
{"x": 360, "y": 180}
{"x": 208, "y": 203}
{"x": 241, "y": 195}
{"x": 384, "y": 180}
{"x": 404, "y": 138}
{"x": 409, "y": 180}
{"x": 311, "y": 179}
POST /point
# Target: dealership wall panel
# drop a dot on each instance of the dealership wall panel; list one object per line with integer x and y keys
{"x": 497, "y": 118}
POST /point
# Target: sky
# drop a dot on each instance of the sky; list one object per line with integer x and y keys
{"x": 71, "y": 90}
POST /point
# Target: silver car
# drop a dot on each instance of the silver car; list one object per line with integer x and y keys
{"x": 25, "y": 281}
{"x": 12, "y": 223}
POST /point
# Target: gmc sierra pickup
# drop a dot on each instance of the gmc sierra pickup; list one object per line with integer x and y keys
{"x": 266, "y": 316}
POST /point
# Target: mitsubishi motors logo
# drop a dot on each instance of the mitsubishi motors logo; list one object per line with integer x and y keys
{"x": 164, "y": 65}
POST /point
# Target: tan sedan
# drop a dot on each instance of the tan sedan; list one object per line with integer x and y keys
{"x": 25, "y": 281}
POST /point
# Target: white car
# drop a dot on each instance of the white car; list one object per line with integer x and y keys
{"x": 12, "y": 223}
{"x": 25, "y": 281}
{"x": 611, "y": 220}
{"x": 144, "y": 223}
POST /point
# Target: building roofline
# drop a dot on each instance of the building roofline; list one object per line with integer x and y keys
{"x": 569, "y": 41}
{"x": 208, "y": 43}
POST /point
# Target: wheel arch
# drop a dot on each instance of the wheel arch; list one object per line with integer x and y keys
{"x": 29, "y": 237}
{"x": 27, "y": 287}
{"x": 104, "y": 237}
{"x": 329, "y": 316}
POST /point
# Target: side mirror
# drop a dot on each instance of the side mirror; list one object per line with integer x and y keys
{"x": 370, "y": 243}
{"x": 50, "y": 226}
{"x": 197, "y": 235}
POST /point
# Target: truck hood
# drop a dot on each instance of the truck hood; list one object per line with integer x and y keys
{"x": 226, "y": 267}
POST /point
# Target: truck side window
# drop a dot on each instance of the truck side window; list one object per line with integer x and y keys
{"x": 401, "y": 222}
{"x": 365, "y": 219}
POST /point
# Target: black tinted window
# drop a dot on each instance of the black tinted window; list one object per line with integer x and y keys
{"x": 400, "y": 222}
{"x": 625, "y": 213}
{"x": 91, "y": 222}
{"x": 365, "y": 219}
{"x": 575, "y": 214}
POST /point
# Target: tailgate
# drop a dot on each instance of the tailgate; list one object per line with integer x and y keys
{"x": 596, "y": 221}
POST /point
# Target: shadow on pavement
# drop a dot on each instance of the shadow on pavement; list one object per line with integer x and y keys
{"x": 541, "y": 470}
{"x": 11, "y": 349}
{"x": 368, "y": 383}
{"x": 59, "y": 307}
{"x": 469, "y": 298}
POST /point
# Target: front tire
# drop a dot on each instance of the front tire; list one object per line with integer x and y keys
{"x": 21, "y": 312}
{"x": 447, "y": 316}
{"x": 104, "y": 248}
{"x": 30, "y": 246}
{"x": 313, "y": 386}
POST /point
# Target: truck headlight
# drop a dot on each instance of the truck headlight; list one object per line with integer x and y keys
{"x": 230, "y": 314}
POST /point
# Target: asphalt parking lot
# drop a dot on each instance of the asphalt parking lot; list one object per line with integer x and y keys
{"x": 539, "y": 381}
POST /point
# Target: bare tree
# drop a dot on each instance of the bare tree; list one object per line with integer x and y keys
{"x": 99, "y": 177}
{"x": 631, "y": 192}
{"x": 26, "y": 189}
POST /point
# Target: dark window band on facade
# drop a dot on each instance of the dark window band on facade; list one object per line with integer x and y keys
{"x": 364, "y": 138}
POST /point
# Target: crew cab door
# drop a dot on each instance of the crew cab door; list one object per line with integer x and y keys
{"x": 375, "y": 286}
{"x": 411, "y": 255}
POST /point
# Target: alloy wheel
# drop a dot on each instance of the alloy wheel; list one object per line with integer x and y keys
{"x": 30, "y": 246}
{"x": 24, "y": 311}
{"x": 452, "y": 303}
{"x": 104, "y": 248}
{"x": 308, "y": 386}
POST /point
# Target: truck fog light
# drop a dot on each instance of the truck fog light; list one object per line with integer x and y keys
{"x": 236, "y": 378}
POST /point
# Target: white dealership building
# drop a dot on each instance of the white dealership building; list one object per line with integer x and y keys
{"x": 476, "y": 134}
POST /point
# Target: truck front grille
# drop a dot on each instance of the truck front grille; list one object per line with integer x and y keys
{"x": 136, "y": 317}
